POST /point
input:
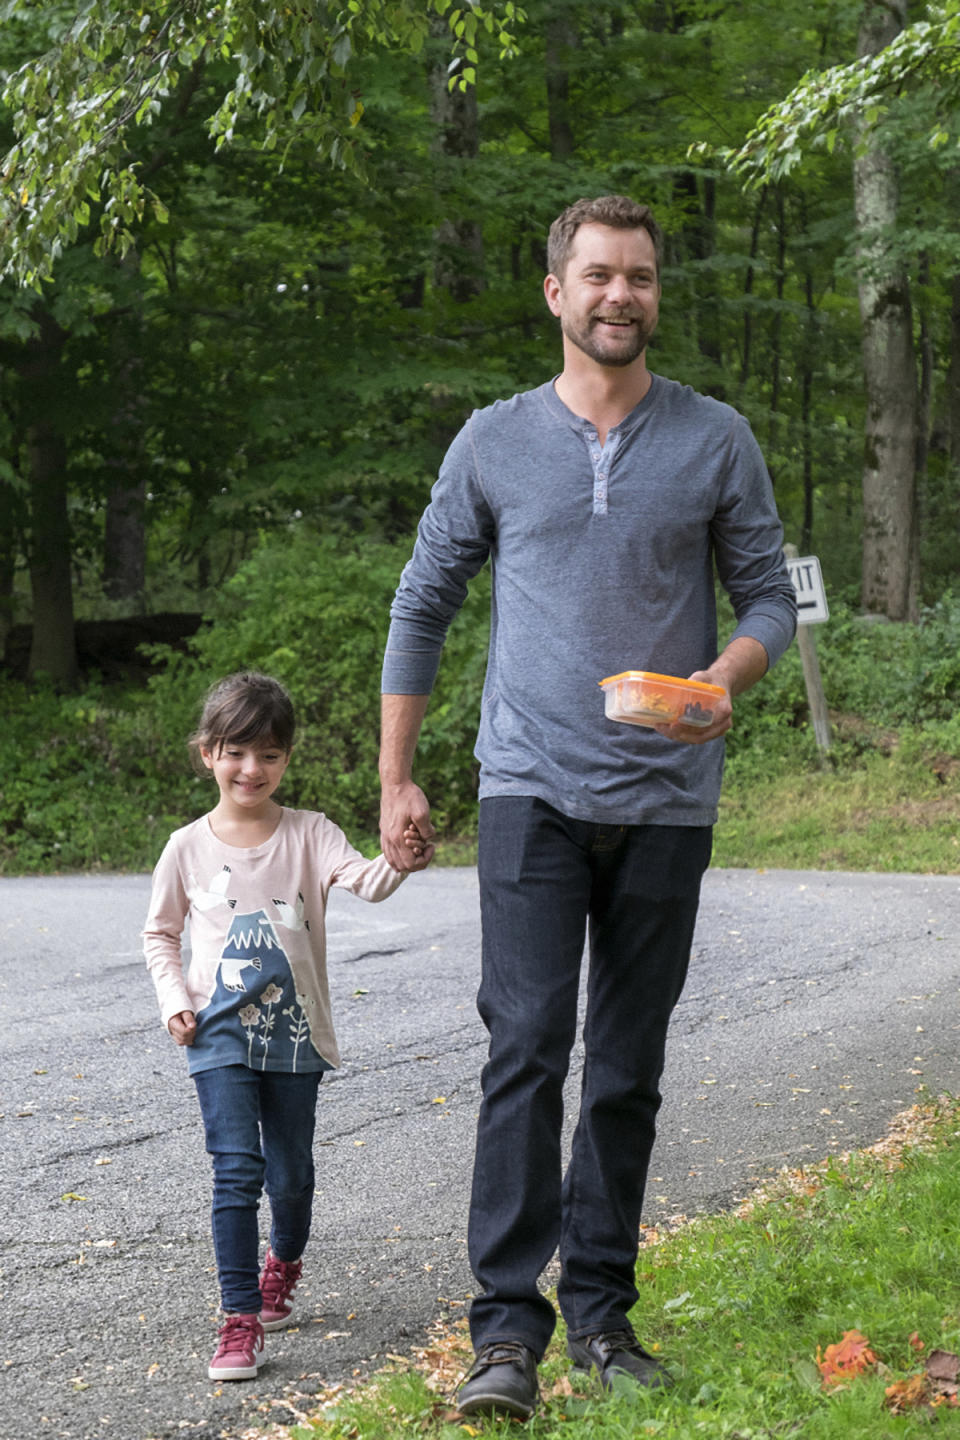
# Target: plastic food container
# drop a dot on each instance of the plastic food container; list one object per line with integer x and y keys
{"x": 638, "y": 697}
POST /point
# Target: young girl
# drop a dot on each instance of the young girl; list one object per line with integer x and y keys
{"x": 254, "y": 1008}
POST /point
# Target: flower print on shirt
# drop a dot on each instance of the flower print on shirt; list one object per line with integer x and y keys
{"x": 299, "y": 1029}
{"x": 269, "y": 998}
{"x": 248, "y": 1017}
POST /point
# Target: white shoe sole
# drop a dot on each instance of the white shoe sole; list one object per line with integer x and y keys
{"x": 235, "y": 1372}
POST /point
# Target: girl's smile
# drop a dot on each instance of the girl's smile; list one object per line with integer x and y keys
{"x": 246, "y": 775}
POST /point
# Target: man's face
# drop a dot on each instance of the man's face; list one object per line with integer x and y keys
{"x": 608, "y": 300}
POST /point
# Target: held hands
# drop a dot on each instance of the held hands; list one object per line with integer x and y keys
{"x": 406, "y": 831}
{"x": 183, "y": 1027}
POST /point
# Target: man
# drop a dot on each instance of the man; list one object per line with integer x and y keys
{"x": 603, "y": 500}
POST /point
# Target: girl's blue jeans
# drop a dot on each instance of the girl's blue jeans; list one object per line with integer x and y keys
{"x": 259, "y": 1128}
{"x": 546, "y": 882}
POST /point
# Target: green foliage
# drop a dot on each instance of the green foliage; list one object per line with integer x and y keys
{"x": 82, "y": 788}
{"x": 98, "y": 781}
{"x": 314, "y": 612}
{"x": 78, "y": 104}
{"x": 741, "y": 1305}
{"x": 898, "y": 677}
{"x": 826, "y": 102}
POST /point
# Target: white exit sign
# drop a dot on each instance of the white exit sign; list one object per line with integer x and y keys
{"x": 807, "y": 581}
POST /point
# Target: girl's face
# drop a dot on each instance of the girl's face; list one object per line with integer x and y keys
{"x": 247, "y": 775}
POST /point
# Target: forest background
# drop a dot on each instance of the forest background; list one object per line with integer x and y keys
{"x": 259, "y": 263}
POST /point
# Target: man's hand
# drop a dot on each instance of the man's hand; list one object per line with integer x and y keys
{"x": 406, "y": 831}
{"x": 741, "y": 665}
{"x": 183, "y": 1027}
{"x": 700, "y": 734}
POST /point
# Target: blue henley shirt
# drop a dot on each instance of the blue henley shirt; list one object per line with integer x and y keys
{"x": 602, "y": 560}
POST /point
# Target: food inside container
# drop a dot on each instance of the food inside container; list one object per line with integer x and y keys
{"x": 640, "y": 697}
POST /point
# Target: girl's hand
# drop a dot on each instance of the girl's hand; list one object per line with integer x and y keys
{"x": 183, "y": 1027}
{"x": 415, "y": 842}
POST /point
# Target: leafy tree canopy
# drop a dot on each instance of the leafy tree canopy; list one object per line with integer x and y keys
{"x": 925, "y": 55}
{"x": 286, "y": 75}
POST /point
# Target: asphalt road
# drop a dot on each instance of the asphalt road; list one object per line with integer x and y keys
{"x": 818, "y": 1006}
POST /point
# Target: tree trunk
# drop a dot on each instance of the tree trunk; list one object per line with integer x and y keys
{"x": 123, "y": 573}
{"x": 459, "y": 238}
{"x": 561, "y": 40}
{"x": 748, "y": 289}
{"x": 698, "y": 241}
{"x": 953, "y": 376}
{"x": 8, "y": 559}
{"x": 53, "y": 650}
{"x": 806, "y": 414}
{"x": 776, "y": 337}
{"x": 890, "y": 558}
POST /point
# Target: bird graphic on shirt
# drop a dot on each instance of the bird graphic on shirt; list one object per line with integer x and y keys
{"x": 215, "y": 894}
{"x": 291, "y": 916}
{"x": 250, "y": 938}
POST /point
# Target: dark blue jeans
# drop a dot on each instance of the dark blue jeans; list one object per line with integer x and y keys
{"x": 545, "y": 878}
{"x": 259, "y": 1128}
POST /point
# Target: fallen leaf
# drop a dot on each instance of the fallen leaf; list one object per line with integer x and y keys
{"x": 851, "y": 1356}
{"x": 72, "y": 1195}
{"x": 439, "y": 1100}
{"x": 152, "y": 1370}
{"x": 561, "y": 1387}
{"x": 907, "y": 1394}
{"x": 943, "y": 1365}
{"x": 915, "y": 1342}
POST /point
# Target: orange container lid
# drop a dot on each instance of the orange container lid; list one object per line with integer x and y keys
{"x": 669, "y": 679}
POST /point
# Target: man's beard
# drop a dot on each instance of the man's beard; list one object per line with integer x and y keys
{"x": 592, "y": 343}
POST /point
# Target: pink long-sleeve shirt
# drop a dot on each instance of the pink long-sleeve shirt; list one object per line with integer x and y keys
{"x": 257, "y": 977}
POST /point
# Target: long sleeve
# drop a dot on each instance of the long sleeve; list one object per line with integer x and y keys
{"x": 162, "y": 935}
{"x": 748, "y": 545}
{"x": 454, "y": 538}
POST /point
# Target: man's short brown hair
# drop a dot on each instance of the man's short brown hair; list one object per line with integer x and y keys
{"x": 617, "y": 211}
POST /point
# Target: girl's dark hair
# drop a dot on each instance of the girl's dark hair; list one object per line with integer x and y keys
{"x": 617, "y": 211}
{"x": 244, "y": 709}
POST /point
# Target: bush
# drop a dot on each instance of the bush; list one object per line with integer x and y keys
{"x": 314, "y": 612}
{"x": 886, "y": 676}
{"x": 81, "y": 791}
{"x": 98, "y": 781}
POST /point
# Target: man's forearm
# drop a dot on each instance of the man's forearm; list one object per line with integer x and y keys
{"x": 403, "y": 805}
{"x": 739, "y": 666}
{"x": 401, "y": 717}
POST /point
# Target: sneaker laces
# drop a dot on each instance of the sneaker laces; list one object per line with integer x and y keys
{"x": 278, "y": 1279}
{"x": 236, "y": 1333}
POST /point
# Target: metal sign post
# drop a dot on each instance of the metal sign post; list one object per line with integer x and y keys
{"x": 811, "y": 610}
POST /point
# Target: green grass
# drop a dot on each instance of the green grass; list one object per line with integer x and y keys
{"x": 894, "y": 812}
{"x": 740, "y": 1306}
